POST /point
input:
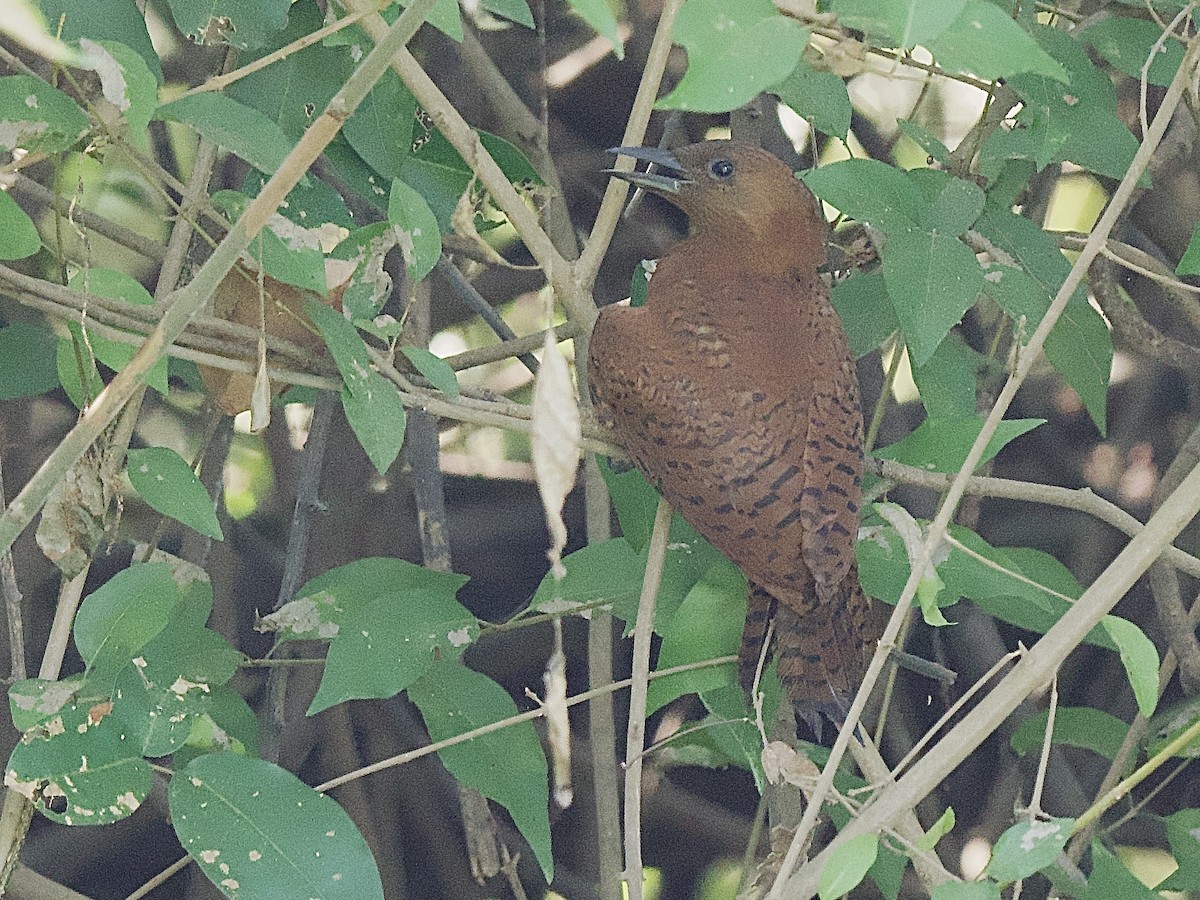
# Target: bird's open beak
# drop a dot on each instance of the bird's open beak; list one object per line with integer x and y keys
{"x": 667, "y": 181}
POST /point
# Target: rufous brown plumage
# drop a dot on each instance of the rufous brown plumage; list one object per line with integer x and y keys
{"x": 733, "y": 390}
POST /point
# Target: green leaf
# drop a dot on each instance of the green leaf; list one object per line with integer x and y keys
{"x": 231, "y": 724}
{"x": 1026, "y": 847}
{"x": 32, "y": 701}
{"x": 639, "y": 286}
{"x": 120, "y": 617}
{"x": 598, "y": 14}
{"x": 324, "y": 604}
{"x": 933, "y": 279}
{"x": 953, "y": 204}
{"x": 437, "y": 172}
{"x": 1074, "y": 726}
{"x": 869, "y": 191}
{"x": 233, "y": 126}
{"x": 294, "y": 90}
{"x": 947, "y": 381}
{"x": 170, "y": 683}
{"x": 377, "y": 416}
{"x": 636, "y": 503}
{"x": 237, "y": 23}
{"x": 167, "y": 483}
{"x": 609, "y": 571}
{"x": 421, "y": 242}
{"x": 37, "y": 117}
{"x": 866, "y": 311}
{"x": 708, "y": 624}
{"x": 517, "y": 11}
{"x": 390, "y": 643}
{"x": 1110, "y": 880}
{"x": 937, "y": 151}
{"x": 847, "y": 866}
{"x": 115, "y": 20}
{"x": 1127, "y": 42}
{"x": 369, "y": 286}
{"x": 888, "y": 872}
{"x": 507, "y": 765}
{"x": 942, "y": 445}
{"x": 127, "y": 83}
{"x": 444, "y": 16}
{"x": 381, "y": 129}
{"x": 28, "y": 355}
{"x": 116, "y": 285}
{"x": 433, "y": 367}
{"x": 1079, "y": 346}
{"x": 899, "y": 23}
{"x": 1189, "y": 263}
{"x": 730, "y": 727}
{"x": 286, "y": 246}
{"x": 942, "y": 827}
{"x": 19, "y": 237}
{"x": 258, "y": 831}
{"x": 372, "y": 406}
{"x": 966, "y": 890}
{"x": 819, "y": 97}
{"x": 80, "y": 768}
{"x": 1076, "y": 123}
{"x": 1183, "y": 831}
{"x": 735, "y": 52}
{"x": 986, "y": 41}
{"x": 1140, "y": 659}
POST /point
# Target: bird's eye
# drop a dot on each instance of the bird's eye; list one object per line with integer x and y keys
{"x": 721, "y": 169}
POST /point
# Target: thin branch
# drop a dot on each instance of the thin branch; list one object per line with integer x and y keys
{"x": 1081, "y": 499}
{"x": 536, "y": 713}
{"x": 1182, "y": 740}
{"x": 481, "y": 307}
{"x": 402, "y": 759}
{"x": 308, "y": 502}
{"x": 635, "y": 132}
{"x": 481, "y": 356}
{"x": 222, "y": 81}
{"x": 12, "y": 610}
{"x": 1164, "y": 583}
{"x": 635, "y": 734}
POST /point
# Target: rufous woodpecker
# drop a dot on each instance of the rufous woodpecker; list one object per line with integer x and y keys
{"x": 733, "y": 390}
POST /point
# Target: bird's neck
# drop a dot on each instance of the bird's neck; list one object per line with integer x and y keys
{"x": 783, "y": 242}
{"x": 702, "y": 281}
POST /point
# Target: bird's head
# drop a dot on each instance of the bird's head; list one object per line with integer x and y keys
{"x": 737, "y": 193}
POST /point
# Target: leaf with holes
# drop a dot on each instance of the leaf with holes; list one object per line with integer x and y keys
{"x": 390, "y": 643}
{"x": 1028, "y": 846}
{"x": 257, "y": 832}
{"x": 37, "y": 117}
{"x": 80, "y": 767}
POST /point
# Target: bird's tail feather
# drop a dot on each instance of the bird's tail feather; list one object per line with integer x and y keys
{"x": 822, "y": 652}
